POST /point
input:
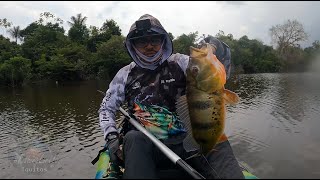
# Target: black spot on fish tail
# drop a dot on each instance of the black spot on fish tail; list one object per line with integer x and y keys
{"x": 201, "y": 104}
{"x": 203, "y": 126}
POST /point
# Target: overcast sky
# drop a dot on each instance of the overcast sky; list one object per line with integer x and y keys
{"x": 251, "y": 18}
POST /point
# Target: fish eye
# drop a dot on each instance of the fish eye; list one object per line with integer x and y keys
{"x": 195, "y": 70}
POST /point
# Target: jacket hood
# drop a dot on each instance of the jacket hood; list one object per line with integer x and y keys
{"x": 156, "y": 28}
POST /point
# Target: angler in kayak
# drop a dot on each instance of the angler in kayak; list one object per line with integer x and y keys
{"x": 151, "y": 86}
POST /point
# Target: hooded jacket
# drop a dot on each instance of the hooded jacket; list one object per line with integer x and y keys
{"x": 156, "y": 27}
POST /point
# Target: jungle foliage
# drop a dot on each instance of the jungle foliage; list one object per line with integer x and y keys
{"x": 45, "y": 51}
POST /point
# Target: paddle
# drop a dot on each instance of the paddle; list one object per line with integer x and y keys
{"x": 168, "y": 152}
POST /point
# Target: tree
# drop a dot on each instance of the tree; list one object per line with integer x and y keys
{"x": 182, "y": 43}
{"x": 78, "y": 31}
{"x": 7, "y": 49}
{"x": 94, "y": 31}
{"x": 46, "y": 18}
{"x": 316, "y": 44}
{"x": 220, "y": 34}
{"x": 77, "y": 20}
{"x": 112, "y": 56}
{"x": 111, "y": 27}
{"x": 5, "y": 23}
{"x": 228, "y": 39}
{"x": 171, "y": 36}
{"x": 40, "y": 38}
{"x": 31, "y": 28}
{"x": 15, "y": 71}
{"x": 15, "y": 33}
{"x": 98, "y": 36}
{"x": 313, "y": 51}
{"x": 288, "y": 34}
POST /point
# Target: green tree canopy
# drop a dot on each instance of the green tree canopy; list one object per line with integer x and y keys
{"x": 15, "y": 33}
{"x": 78, "y": 31}
{"x": 7, "y": 49}
{"x": 15, "y": 71}
{"x": 182, "y": 43}
{"x": 46, "y": 52}
{"x": 111, "y": 57}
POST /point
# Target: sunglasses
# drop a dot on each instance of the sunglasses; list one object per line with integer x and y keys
{"x": 154, "y": 40}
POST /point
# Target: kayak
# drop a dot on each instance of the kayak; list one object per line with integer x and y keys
{"x": 107, "y": 170}
{"x": 246, "y": 173}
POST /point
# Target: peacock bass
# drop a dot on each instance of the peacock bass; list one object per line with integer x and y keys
{"x": 205, "y": 99}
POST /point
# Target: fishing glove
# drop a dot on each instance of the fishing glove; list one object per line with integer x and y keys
{"x": 222, "y": 51}
{"x": 112, "y": 143}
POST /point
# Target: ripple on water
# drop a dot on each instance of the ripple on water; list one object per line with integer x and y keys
{"x": 277, "y": 117}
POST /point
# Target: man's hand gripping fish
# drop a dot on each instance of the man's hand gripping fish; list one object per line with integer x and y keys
{"x": 205, "y": 99}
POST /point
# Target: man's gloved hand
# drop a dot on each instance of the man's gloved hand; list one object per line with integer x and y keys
{"x": 222, "y": 51}
{"x": 112, "y": 143}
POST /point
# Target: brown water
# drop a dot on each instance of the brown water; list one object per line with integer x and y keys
{"x": 52, "y": 131}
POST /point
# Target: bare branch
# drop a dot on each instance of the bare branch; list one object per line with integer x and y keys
{"x": 288, "y": 34}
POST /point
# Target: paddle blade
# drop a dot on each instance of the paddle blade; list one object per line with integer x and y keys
{"x": 102, "y": 165}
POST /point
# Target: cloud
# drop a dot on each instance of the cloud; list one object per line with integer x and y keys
{"x": 244, "y": 29}
{"x": 251, "y": 18}
{"x": 234, "y": 3}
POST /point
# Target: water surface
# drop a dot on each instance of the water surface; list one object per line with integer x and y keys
{"x": 274, "y": 128}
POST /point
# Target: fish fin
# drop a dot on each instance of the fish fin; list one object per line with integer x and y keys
{"x": 230, "y": 97}
{"x": 182, "y": 111}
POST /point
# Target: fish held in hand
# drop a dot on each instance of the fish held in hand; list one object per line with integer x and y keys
{"x": 203, "y": 106}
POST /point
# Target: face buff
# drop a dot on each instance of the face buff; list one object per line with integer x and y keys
{"x": 150, "y": 61}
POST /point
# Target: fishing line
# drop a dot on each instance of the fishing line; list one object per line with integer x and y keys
{"x": 211, "y": 166}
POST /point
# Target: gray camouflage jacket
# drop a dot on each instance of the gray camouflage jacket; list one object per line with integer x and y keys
{"x": 116, "y": 94}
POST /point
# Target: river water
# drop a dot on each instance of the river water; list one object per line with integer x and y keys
{"x": 52, "y": 130}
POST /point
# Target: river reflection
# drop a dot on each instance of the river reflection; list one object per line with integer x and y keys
{"x": 274, "y": 128}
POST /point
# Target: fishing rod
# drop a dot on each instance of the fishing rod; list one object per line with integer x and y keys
{"x": 167, "y": 151}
